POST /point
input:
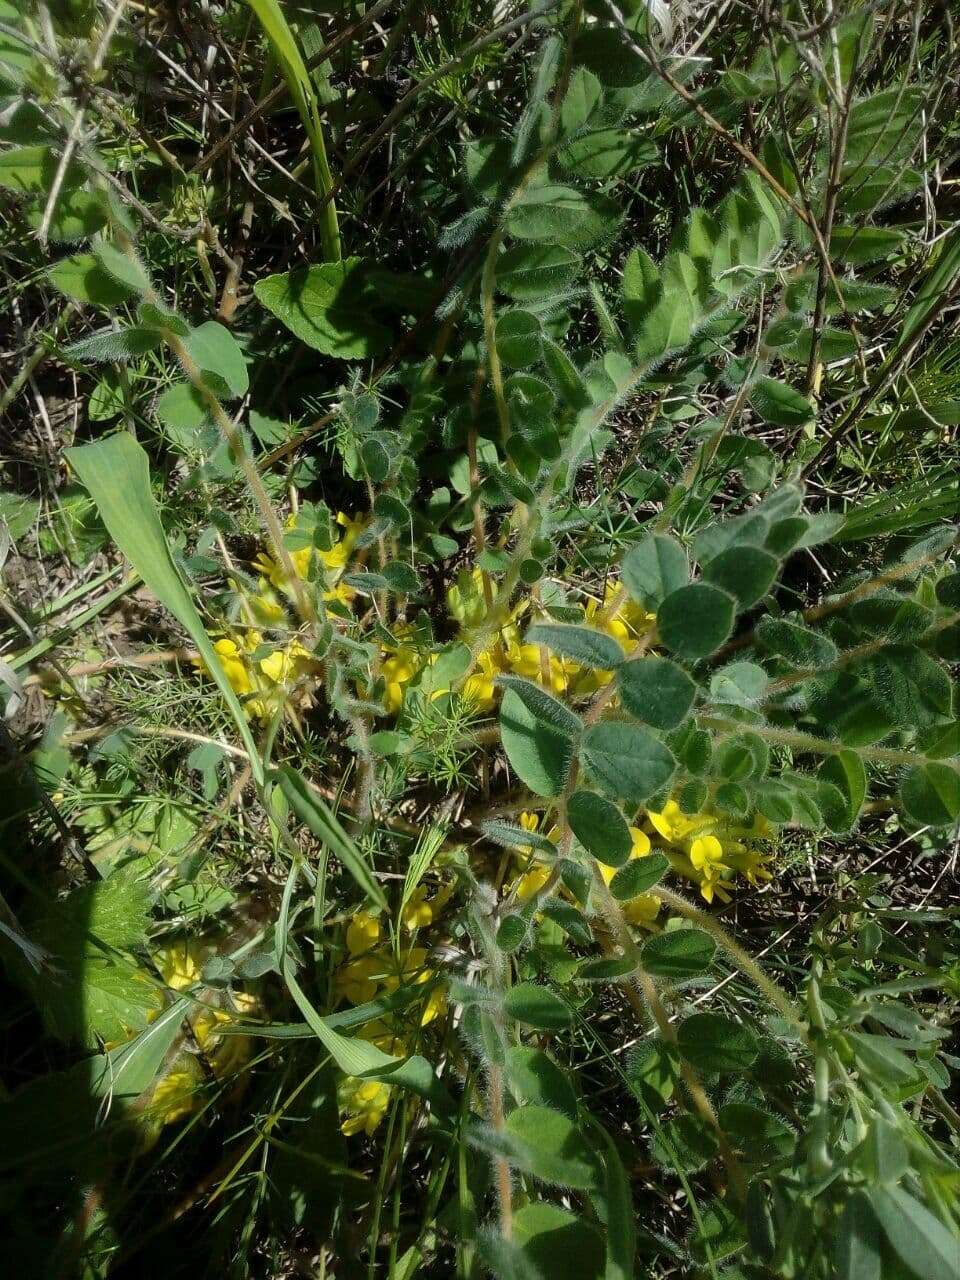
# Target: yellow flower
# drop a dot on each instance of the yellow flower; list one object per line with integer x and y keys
{"x": 333, "y": 561}
{"x": 524, "y": 660}
{"x": 397, "y": 673}
{"x": 175, "y": 1095}
{"x": 180, "y": 964}
{"x": 708, "y": 849}
{"x": 363, "y": 932}
{"x": 417, "y": 911}
{"x": 644, "y": 908}
{"x": 365, "y": 1103}
{"x": 358, "y": 980}
{"x": 479, "y": 689}
{"x": 531, "y": 882}
{"x": 465, "y": 599}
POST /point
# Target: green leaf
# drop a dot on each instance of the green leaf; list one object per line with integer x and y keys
{"x": 183, "y": 413}
{"x": 855, "y": 246}
{"x": 547, "y": 709}
{"x": 656, "y": 691}
{"x": 607, "y": 969}
{"x": 621, "y": 1223}
{"x": 114, "y": 344}
{"x": 911, "y": 686}
{"x": 795, "y": 643}
{"x": 696, "y": 620}
{"x": 930, "y": 794}
{"x": 585, "y": 645}
{"x": 741, "y": 684}
{"x": 83, "y": 278}
{"x": 554, "y": 214}
{"x": 537, "y": 1006}
{"x": 533, "y": 272}
{"x": 512, "y": 933}
{"x": 714, "y": 1043}
{"x": 857, "y": 1253}
{"x": 512, "y": 837}
{"x": 600, "y": 827}
{"x": 746, "y": 572}
{"x": 564, "y": 375}
{"x": 215, "y": 350}
{"x": 116, "y": 473}
{"x": 534, "y": 1077}
{"x": 845, "y": 771}
{"x": 678, "y": 954}
{"x": 18, "y": 513}
{"x": 654, "y": 569}
{"x": 312, "y": 809}
{"x": 557, "y": 1243}
{"x": 518, "y": 339}
{"x": 31, "y": 170}
{"x": 550, "y": 1146}
{"x": 921, "y": 1241}
{"x": 328, "y": 307}
{"x": 607, "y": 153}
{"x": 582, "y": 100}
{"x": 539, "y": 754}
{"x": 779, "y": 404}
{"x": 638, "y": 876}
{"x": 628, "y": 762}
{"x": 126, "y": 270}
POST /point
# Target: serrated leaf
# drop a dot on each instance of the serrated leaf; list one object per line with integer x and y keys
{"x": 585, "y": 645}
{"x": 679, "y": 954}
{"x": 656, "y": 691}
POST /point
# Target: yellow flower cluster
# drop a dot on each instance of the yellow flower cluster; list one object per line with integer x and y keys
{"x": 177, "y": 1093}
{"x": 710, "y": 850}
{"x": 275, "y": 589}
{"x": 373, "y": 969}
{"x": 507, "y": 654}
{"x": 264, "y": 681}
{"x": 642, "y": 910}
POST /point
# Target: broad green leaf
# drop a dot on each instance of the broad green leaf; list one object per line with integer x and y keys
{"x": 114, "y": 344}
{"x": 583, "y": 99}
{"x": 124, "y": 268}
{"x": 564, "y": 375}
{"x": 585, "y": 645}
{"x": 857, "y": 1252}
{"x": 328, "y": 307}
{"x": 539, "y": 754}
{"x": 741, "y": 684}
{"x": 696, "y": 620}
{"x": 562, "y": 215}
{"x": 518, "y": 339}
{"x": 845, "y": 771}
{"x": 656, "y": 691}
{"x": 31, "y": 170}
{"x": 912, "y": 687}
{"x": 216, "y": 352}
{"x": 116, "y": 473}
{"x": 858, "y": 245}
{"x": 795, "y": 643}
{"x": 83, "y": 278}
{"x": 621, "y": 1222}
{"x": 17, "y": 513}
{"x": 654, "y": 569}
{"x": 551, "y": 1147}
{"x": 628, "y": 762}
{"x": 638, "y": 876}
{"x": 532, "y": 272}
{"x": 312, "y": 809}
{"x": 600, "y": 827}
{"x": 549, "y": 711}
{"x": 678, "y": 954}
{"x": 921, "y": 1241}
{"x": 182, "y": 412}
{"x": 714, "y": 1043}
{"x": 607, "y": 153}
{"x": 779, "y": 404}
{"x": 747, "y": 573}
{"x": 558, "y": 1243}
{"x": 534, "y": 1077}
{"x": 537, "y": 1006}
{"x": 930, "y": 793}
{"x": 512, "y": 932}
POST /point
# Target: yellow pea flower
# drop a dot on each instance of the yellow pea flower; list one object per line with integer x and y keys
{"x": 365, "y": 1103}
